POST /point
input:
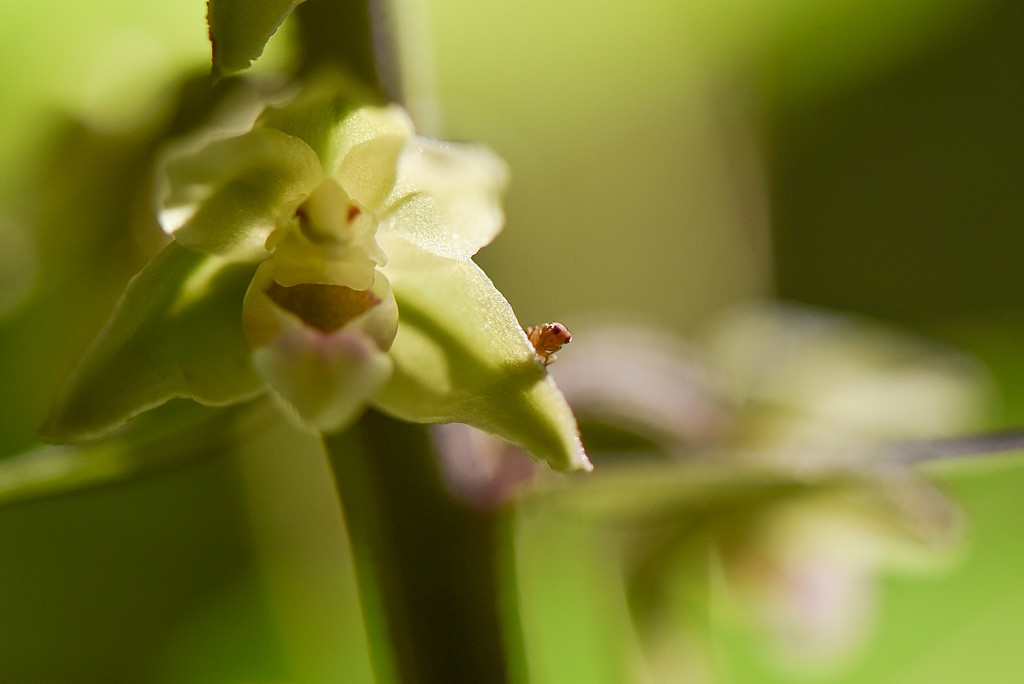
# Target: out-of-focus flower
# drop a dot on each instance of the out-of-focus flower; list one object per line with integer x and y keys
{"x": 787, "y": 472}
{"x": 769, "y": 449}
{"x": 356, "y": 237}
{"x": 803, "y": 569}
{"x": 480, "y": 469}
{"x": 814, "y": 389}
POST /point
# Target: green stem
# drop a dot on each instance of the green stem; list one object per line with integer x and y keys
{"x": 427, "y": 565}
{"x": 352, "y": 35}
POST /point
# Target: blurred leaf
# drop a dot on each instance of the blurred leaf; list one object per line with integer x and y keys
{"x": 74, "y": 59}
{"x": 150, "y": 443}
{"x": 575, "y": 621}
{"x": 112, "y": 577}
{"x": 815, "y": 49}
{"x": 650, "y": 492}
{"x": 669, "y": 588}
{"x": 239, "y": 29}
{"x": 176, "y": 333}
{"x": 80, "y": 209}
{"x": 698, "y": 493}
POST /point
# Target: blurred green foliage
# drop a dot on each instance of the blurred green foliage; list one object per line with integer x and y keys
{"x": 669, "y": 159}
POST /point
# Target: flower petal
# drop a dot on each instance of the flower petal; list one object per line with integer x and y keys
{"x": 175, "y": 333}
{"x": 227, "y": 197}
{"x": 322, "y": 348}
{"x": 461, "y": 356}
{"x": 448, "y": 197}
{"x": 369, "y": 169}
{"x": 327, "y": 378}
{"x": 270, "y": 309}
{"x": 332, "y": 116}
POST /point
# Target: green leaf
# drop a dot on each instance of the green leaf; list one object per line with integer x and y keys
{"x": 461, "y": 356}
{"x": 152, "y": 443}
{"x": 176, "y": 332}
{"x": 239, "y": 29}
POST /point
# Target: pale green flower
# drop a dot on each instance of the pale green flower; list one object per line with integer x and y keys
{"x": 356, "y": 236}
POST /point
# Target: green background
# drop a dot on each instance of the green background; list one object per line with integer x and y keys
{"x": 669, "y": 159}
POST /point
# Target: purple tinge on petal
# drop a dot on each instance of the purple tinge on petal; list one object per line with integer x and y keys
{"x": 327, "y": 377}
{"x": 325, "y": 345}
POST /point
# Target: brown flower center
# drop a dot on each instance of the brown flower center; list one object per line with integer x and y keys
{"x": 324, "y": 307}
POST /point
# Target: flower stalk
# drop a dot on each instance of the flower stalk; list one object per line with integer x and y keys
{"x": 427, "y": 564}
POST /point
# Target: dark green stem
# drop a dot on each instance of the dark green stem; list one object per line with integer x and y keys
{"x": 427, "y": 565}
{"x": 355, "y": 36}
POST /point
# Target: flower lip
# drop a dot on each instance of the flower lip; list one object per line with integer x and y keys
{"x": 324, "y": 307}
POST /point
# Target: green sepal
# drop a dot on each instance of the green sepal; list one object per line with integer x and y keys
{"x": 461, "y": 356}
{"x": 227, "y": 197}
{"x": 332, "y": 115}
{"x": 176, "y": 332}
{"x": 239, "y": 30}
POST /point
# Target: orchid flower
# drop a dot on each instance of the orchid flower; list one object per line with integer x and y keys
{"x": 324, "y": 253}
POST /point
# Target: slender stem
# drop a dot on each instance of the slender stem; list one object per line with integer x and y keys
{"x": 356, "y": 36}
{"x": 978, "y": 445}
{"x": 427, "y": 565}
